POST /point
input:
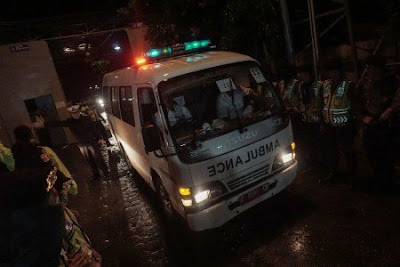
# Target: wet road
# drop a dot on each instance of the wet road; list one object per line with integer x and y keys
{"x": 307, "y": 224}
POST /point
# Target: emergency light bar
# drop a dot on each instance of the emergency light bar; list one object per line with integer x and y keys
{"x": 174, "y": 50}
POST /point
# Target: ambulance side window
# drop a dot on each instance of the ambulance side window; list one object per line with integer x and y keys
{"x": 107, "y": 98}
{"x": 126, "y": 100}
{"x": 115, "y": 102}
{"x": 147, "y": 105}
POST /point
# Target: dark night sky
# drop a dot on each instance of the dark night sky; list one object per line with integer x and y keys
{"x": 22, "y": 9}
{"x": 27, "y": 10}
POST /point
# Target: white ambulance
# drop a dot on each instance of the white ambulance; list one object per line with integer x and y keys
{"x": 205, "y": 129}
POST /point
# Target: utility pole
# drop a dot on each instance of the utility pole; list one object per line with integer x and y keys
{"x": 351, "y": 39}
{"x": 288, "y": 32}
{"x": 314, "y": 39}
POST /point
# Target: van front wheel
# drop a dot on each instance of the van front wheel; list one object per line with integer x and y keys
{"x": 164, "y": 199}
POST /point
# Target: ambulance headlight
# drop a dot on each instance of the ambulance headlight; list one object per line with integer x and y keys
{"x": 201, "y": 194}
{"x": 284, "y": 158}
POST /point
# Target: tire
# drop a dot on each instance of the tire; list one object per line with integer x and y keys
{"x": 164, "y": 200}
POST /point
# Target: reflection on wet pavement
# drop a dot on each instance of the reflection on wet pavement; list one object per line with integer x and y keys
{"x": 307, "y": 224}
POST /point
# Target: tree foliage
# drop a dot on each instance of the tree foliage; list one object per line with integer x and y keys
{"x": 248, "y": 26}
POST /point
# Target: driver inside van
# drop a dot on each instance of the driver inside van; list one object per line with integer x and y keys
{"x": 176, "y": 111}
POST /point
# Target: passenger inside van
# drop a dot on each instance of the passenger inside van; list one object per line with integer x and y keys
{"x": 230, "y": 104}
{"x": 177, "y": 112}
{"x": 250, "y": 96}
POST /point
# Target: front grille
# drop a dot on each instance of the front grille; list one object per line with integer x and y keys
{"x": 249, "y": 178}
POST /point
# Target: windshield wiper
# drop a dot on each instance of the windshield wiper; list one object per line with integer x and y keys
{"x": 241, "y": 127}
{"x": 193, "y": 143}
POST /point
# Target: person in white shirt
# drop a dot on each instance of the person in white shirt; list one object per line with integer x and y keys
{"x": 226, "y": 109}
{"x": 175, "y": 113}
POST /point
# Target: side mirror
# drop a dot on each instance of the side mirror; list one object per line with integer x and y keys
{"x": 151, "y": 138}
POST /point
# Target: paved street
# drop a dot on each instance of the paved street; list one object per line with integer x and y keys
{"x": 307, "y": 224}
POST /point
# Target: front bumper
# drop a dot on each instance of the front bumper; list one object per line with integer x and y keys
{"x": 227, "y": 209}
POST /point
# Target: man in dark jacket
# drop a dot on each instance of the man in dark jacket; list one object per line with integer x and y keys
{"x": 378, "y": 105}
{"x": 88, "y": 137}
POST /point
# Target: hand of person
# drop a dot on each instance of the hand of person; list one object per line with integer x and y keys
{"x": 75, "y": 212}
{"x": 386, "y": 114}
{"x": 367, "y": 120}
{"x": 38, "y": 124}
{"x": 81, "y": 259}
{"x": 97, "y": 258}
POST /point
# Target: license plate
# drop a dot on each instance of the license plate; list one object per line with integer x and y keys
{"x": 256, "y": 192}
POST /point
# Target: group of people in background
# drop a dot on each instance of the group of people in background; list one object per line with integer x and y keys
{"x": 336, "y": 117}
{"x": 37, "y": 227}
{"x": 333, "y": 117}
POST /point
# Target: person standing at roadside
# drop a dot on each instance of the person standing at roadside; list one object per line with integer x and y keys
{"x": 88, "y": 138}
{"x": 338, "y": 129}
{"x": 88, "y": 109}
{"x": 378, "y": 105}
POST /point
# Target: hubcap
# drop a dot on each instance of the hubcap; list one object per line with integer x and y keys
{"x": 165, "y": 200}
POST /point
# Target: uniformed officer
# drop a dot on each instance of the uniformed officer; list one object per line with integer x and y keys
{"x": 378, "y": 105}
{"x": 292, "y": 98}
{"x": 311, "y": 120}
{"x": 337, "y": 129}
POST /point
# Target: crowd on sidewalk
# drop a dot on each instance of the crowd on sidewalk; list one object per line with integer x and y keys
{"x": 37, "y": 227}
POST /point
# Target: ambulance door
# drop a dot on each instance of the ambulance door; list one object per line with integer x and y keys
{"x": 149, "y": 114}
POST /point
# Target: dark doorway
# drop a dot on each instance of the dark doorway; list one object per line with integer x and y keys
{"x": 42, "y": 108}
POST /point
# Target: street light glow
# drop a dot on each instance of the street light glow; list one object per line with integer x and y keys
{"x": 117, "y": 47}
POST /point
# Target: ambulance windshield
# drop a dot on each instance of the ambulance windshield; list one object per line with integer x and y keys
{"x": 202, "y": 105}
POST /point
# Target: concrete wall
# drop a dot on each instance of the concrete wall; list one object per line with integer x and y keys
{"x": 27, "y": 74}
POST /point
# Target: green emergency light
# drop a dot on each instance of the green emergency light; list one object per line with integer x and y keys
{"x": 177, "y": 49}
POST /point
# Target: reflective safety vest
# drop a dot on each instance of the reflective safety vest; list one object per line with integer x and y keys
{"x": 337, "y": 105}
{"x": 313, "y": 111}
{"x": 293, "y": 97}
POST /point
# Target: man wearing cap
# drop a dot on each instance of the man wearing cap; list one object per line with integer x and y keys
{"x": 88, "y": 137}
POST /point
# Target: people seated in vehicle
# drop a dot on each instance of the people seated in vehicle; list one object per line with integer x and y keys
{"x": 228, "y": 109}
{"x": 176, "y": 112}
{"x": 251, "y": 100}
{"x": 257, "y": 97}
{"x": 248, "y": 112}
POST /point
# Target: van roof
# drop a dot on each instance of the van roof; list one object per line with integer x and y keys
{"x": 166, "y": 69}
